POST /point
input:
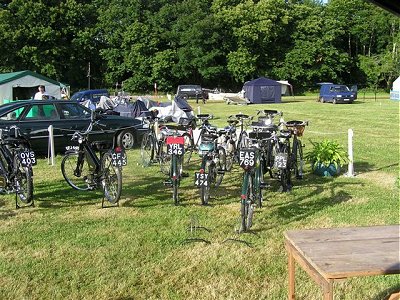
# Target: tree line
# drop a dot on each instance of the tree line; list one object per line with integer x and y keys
{"x": 215, "y": 43}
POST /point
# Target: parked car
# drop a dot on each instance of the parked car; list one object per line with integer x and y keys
{"x": 190, "y": 91}
{"x": 92, "y": 95}
{"x": 337, "y": 93}
{"x": 33, "y": 117}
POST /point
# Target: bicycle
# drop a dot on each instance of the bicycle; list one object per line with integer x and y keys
{"x": 204, "y": 126}
{"x": 227, "y": 139}
{"x": 83, "y": 169}
{"x": 16, "y": 161}
{"x": 282, "y": 158}
{"x": 174, "y": 155}
{"x": 297, "y": 161}
{"x": 212, "y": 167}
{"x": 242, "y": 123}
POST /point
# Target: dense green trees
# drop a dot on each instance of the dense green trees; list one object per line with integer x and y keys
{"x": 217, "y": 43}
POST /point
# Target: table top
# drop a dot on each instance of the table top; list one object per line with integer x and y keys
{"x": 352, "y": 251}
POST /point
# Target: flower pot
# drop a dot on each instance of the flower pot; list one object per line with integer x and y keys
{"x": 326, "y": 171}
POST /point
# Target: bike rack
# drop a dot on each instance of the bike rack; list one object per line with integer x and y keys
{"x": 108, "y": 206}
{"x": 193, "y": 228}
{"x": 17, "y": 206}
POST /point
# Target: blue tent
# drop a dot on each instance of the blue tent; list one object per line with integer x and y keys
{"x": 262, "y": 90}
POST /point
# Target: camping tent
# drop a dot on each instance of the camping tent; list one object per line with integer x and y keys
{"x": 287, "y": 88}
{"x": 263, "y": 90}
{"x": 395, "y": 92}
{"x": 24, "y": 85}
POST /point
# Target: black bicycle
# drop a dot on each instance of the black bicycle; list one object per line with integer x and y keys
{"x": 212, "y": 169}
{"x": 83, "y": 169}
{"x": 16, "y": 161}
{"x": 297, "y": 129}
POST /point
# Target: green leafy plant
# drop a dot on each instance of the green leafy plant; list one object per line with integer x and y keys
{"x": 326, "y": 153}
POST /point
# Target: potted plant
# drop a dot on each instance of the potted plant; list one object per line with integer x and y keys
{"x": 327, "y": 157}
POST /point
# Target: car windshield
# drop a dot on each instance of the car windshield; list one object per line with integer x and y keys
{"x": 341, "y": 88}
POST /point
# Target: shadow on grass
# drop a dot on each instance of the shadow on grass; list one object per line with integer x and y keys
{"x": 59, "y": 194}
{"x": 299, "y": 208}
{"x": 385, "y": 295}
{"x": 364, "y": 166}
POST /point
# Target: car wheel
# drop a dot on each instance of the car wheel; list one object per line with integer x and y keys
{"x": 126, "y": 139}
{"x": 322, "y": 99}
{"x": 334, "y": 101}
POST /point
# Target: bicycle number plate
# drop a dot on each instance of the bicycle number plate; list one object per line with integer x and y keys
{"x": 200, "y": 179}
{"x": 27, "y": 158}
{"x": 280, "y": 160}
{"x": 119, "y": 159}
{"x": 247, "y": 159}
{"x": 175, "y": 145}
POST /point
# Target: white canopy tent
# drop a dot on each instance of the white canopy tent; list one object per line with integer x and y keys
{"x": 23, "y": 85}
{"x": 395, "y": 92}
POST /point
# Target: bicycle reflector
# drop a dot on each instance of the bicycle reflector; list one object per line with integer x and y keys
{"x": 201, "y": 171}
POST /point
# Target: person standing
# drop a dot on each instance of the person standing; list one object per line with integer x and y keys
{"x": 41, "y": 94}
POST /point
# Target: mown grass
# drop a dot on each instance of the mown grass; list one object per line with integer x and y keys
{"x": 68, "y": 247}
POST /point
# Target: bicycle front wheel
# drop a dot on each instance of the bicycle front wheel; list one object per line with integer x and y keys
{"x": 176, "y": 170}
{"x": 247, "y": 207}
{"x": 111, "y": 179}
{"x": 298, "y": 161}
{"x": 75, "y": 170}
{"x": 23, "y": 181}
{"x": 147, "y": 149}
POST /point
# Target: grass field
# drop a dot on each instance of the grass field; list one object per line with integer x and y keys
{"x": 67, "y": 247}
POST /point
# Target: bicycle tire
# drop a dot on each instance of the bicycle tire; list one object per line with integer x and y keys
{"x": 147, "y": 149}
{"x": 175, "y": 176}
{"x": 247, "y": 208}
{"x": 111, "y": 179}
{"x": 230, "y": 155}
{"x": 23, "y": 181}
{"x": 258, "y": 181}
{"x": 77, "y": 180}
{"x": 188, "y": 146}
{"x": 284, "y": 174}
{"x": 219, "y": 169}
{"x": 298, "y": 161}
{"x": 205, "y": 189}
{"x": 163, "y": 158}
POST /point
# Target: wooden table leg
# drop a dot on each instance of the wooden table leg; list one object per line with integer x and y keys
{"x": 328, "y": 289}
{"x": 291, "y": 269}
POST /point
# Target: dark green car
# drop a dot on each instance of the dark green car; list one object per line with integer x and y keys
{"x": 34, "y": 117}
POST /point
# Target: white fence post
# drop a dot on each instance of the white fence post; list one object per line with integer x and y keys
{"x": 350, "y": 171}
{"x": 50, "y": 149}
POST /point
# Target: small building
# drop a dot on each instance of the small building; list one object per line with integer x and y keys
{"x": 23, "y": 85}
{"x": 262, "y": 91}
{"x": 395, "y": 91}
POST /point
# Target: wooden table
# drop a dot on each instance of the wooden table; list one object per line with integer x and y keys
{"x": 338, "y": 253}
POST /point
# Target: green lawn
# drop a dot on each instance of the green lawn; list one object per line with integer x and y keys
{"x": 67, "y": 247}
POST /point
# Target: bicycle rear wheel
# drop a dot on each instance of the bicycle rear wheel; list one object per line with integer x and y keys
{"x": 75, "y": 170}
{"x": 147, "y": 149}
{"x": 205, "y": 189}
{"x": 247, "y": 207}
{"x": 111, "y": 179}
{"x": 23, "y": 182}
{"x": 220, "y": 167}
{"x": 176, "y": 169}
